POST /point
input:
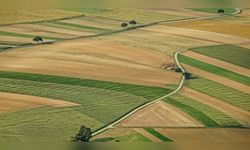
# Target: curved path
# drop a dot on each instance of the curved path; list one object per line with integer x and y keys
{"x": 238, "y": 11}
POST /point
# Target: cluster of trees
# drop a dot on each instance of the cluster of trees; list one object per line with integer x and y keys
{"x": 132, "y": 22}
{"x": 38, "y": 39}
{"x": 221, "y": 11}
{"x": 83, "y": 135}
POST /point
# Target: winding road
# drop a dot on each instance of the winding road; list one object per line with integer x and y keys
{"x": 238, "y": 11}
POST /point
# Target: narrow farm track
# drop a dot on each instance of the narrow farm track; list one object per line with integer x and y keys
{"x": 238, "y": 11}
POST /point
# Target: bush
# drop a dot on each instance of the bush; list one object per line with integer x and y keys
{"x": 83, "y": 135}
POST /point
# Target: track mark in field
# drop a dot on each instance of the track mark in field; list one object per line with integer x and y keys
{"x": 236, "y": 112}
{"x": 217, "y": 62}
{"x": 160, "y": 114}
{"x": 216, "y": 78}
{"x": 14, "y": 102}
{"x": 148, "y": 135}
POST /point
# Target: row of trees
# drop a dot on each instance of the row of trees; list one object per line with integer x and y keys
{"x": 132, "y": 22}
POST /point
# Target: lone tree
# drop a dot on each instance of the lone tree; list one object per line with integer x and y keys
{"x": 221, "y": 11}
{"x": 38, "y": 39}
{"x": 124, "y": 25}
{"x": 187, "y": 75}
{"x": 83, "y": 135}
{"x": 132, "y": 22}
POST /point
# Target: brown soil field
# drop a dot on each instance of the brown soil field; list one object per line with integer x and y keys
{"x": 148, "y": 135}
{"x": 216, "y": 78}
{"x": 15, "y": 39}
{"x": 94, "y": 59}
{"x": 207, "y": 135}
{"x": 157, "y": 41}
{"x": 197, "y": 34}
{"x": 13, "y": 102}
{"x": 182, "y": 12}
{"x": 225, "y": 27}
{"x": 237, "y": 113}
{"x": 217, "y": 62}
{"x": 160, "y": 114}
{"x": 245, "y": 45}
{"x": 96, "y": 22}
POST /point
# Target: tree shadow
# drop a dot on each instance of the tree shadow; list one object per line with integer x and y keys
{"x": 107, "y": 139}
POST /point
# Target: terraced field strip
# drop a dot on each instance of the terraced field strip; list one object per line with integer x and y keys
{"x": 209, "y": 116}
{"x": 217, "y": 78}
{"x": 217, "y": 62}
{"x": 85, "y": 27}
{"x": 220, "y": 91}
{"x": 26, "y": 35}
{"x": 240, "y": 115}
{"x": 215, "y": 69}
{"x": 230, "y": 53}
{"x": 158, "y": 135}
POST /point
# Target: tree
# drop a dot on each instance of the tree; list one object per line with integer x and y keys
{"x": 83, "y": 135}
{"x": 38, "y": 39}
{"x": 132, "y": 22}
{"x": 187, "y": 75}
{"x": 124, "y": 25}
{"x": 221, "y": 11}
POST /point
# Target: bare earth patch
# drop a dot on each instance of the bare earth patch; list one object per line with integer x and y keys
{"x": 216, "y": 78}
{"x": 160, "y": 114}
{"x": 233, "y": 111}
{"x": 93, "y": 59}
{"x": 217, "y": 62}
{"x": 13, "y": 102}
{"x": 207, "y": 135}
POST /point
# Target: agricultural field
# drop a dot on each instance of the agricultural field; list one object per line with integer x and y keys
{"x": 121, "y": 73}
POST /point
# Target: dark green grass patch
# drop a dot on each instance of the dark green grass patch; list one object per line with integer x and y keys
{"x": 26, "y": 35}
{"x": 220, "y": 91}
{"x": 87, "y": 10}
{"x": 158, "y": 135}
{"x": 215, "y": 69}
{"x": 81, "y": 26}
{"x": 229, "y": 53}
{"x": 214, "y": 10}
{"x": 211, "y": 117}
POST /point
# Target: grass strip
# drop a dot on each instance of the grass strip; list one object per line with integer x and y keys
{"x": 81, "y": 26}
{"x": 158, "y": 135}
{"x": 215, "y": 69}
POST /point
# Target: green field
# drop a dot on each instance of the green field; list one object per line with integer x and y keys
{"x": 214, "y": 10}
{"x": 215, "y": 69}
{"x": 158, "y": 135}
{"x": 209, "y": 116}
{"x": 220, "y": 91}
{"x": 101, "y": 101}
{"x": 229, "y": 53}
